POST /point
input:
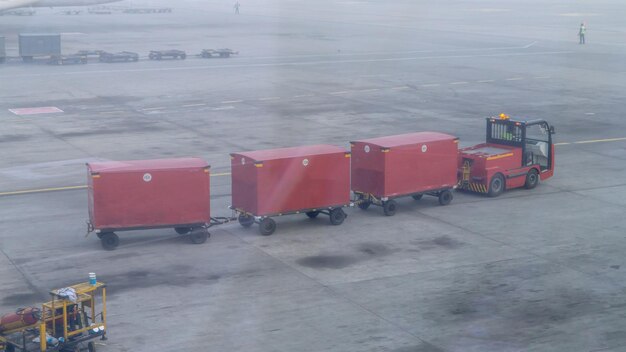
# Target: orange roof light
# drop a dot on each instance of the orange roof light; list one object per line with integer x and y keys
{"x": 504, "y": 116}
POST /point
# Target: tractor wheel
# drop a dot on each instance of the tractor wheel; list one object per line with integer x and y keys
{"x": 312, "y": 214}
{"x": 199, "y": 235}
{"x": 365, "y": 204}
{"x": 91, "y": 346}
{"x": 337, "y": 216}
{"x": 109, "y": 241}
{"x": 496, "y": 186}
{"x": 182, "y": 230}
{"x": 532, "y": 179}
{"x": 245, "y": 220}
{"x": 389, "y": 207}
{"x": 417, "y": 196}
{"x": 267, "y": 226}
{"x": 445, "y": 197}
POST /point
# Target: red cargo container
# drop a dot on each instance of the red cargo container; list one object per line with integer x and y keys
{"x": 308, "y": 179}
{"x": 408, "y": 164}
{"x": 144, "y": 194}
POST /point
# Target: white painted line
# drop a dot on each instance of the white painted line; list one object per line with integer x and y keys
{"x": 231, "y": 101}
{"x": 486, "y": 81}
{"x": 303, "y": 96}
{"x": 369, "y": 90}
{"x": 223, "y": 108}
{"x": 286, "y": 64}
{"x": 541, "y": 77}
{"x": 269, "y": 98}
{"x": 112, "y": 112}
{"x": 401, "y": 87}
{"x": 35, "y": 111}
{"x": 601, "y": 140}
{"x": 460, "y": 82}
{"x": 191, "y": 105}
{"x": 529, "y": 45}
{"x": 515, "y": 79}
{"x": 340, "y": 92}
{"x": 590, "y": 113}
{"x": 431, "y": 85}
{"x": 149, "y": 109}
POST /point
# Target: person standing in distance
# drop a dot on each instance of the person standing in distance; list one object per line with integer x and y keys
{"x": 236, "y": 7}
{"x": 581, "y": 33}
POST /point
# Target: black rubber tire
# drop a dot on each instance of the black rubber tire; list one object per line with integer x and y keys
{"x": 417, "y": 196}
{"x": 199, "y": 235}
{"x": 337, "y": 216}
{"x": 182, "y": 230}
{"x": 245, "y": 220}
{"x": 109, "y": 241}
{"x": 91, "y": 346}
{"x": 365, "y": 204}
{"x": 496, "y": 186}
{"x": 312, "y": 214}
{"x": 183, "y": 56}
{"x": 267, "y": 226}
{"x": 158, "y": 57}
{"x": 389, "y": 207}
{"x": 532, "y": 179}
{"x": 445, "y": 197}
{"x": 99, "y": 234}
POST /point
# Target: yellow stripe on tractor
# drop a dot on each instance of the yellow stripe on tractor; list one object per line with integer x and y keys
{"x": 475, "y": 187}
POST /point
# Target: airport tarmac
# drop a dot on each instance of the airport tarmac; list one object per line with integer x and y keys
{"x": 532, "y": 270}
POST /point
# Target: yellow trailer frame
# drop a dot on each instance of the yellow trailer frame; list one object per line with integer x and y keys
{"x": 59, "y": 317}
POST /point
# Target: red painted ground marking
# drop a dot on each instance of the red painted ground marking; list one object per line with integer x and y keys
{"x": 35, "y": 111}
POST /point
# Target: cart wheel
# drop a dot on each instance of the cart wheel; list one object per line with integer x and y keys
{"x": 199, "y": 235}
{"x": 91, "y": 346}
{"x": 312, "y": 214}
{"x": 337, "y": 216}
{"x": 183, "y": 56}
{"x": 182, "y": 230}
{"x": 158, "y": 57}
{"x": 496, "y": 186}
{"x": 364, "y": 205}
{"x": 109, "y": 240}
{"x": 267, "y": 226}
{"x": 389, "y": 207}
{"x": 532, "y": 179}
{"x": 417, "y": 196}
{"x": 445, "y": 197}
{"x": 245, "y": 220}
{"x": 99, "y": 234}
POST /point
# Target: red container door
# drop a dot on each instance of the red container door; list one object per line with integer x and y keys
{"x": 368, "y": 168}
{"x": 244, "y": 184}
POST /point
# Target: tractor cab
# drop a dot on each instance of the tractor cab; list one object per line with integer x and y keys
{"x": 515, "y": 154}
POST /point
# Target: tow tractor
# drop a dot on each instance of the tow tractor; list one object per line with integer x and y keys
{"x": 73, "y": 318}
{"x": 516, "y": 154}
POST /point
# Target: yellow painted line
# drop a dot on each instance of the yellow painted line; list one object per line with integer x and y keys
{"x": 40, "y": 190}
{"x": 563, "y": 143}
{"x": 602, "y": 140}
{"x": 221, "y": 174}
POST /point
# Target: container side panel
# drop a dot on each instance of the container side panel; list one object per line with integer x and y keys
{"x": 306, "y": 182}
{"x": 421, "y": 167}
{"x": 151, "y": 198}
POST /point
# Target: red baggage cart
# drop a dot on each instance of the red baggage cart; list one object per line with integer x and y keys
{"x": 410, "y": 164}
{"x": 148, "y": 194}
{"x": 308, "y": 179}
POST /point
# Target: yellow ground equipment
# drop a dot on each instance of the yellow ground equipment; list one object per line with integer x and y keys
{"x": 65, "y": 323}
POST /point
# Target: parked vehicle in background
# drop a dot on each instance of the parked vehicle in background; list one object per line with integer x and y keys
{"x": 36, "y": 44}
{"x": 163, "y": 54}
{"x": 209, "y": 53}
{"x": 122, "y": 56}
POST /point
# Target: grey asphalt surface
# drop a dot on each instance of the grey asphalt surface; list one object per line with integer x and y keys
{"x": 539, "y": 270}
